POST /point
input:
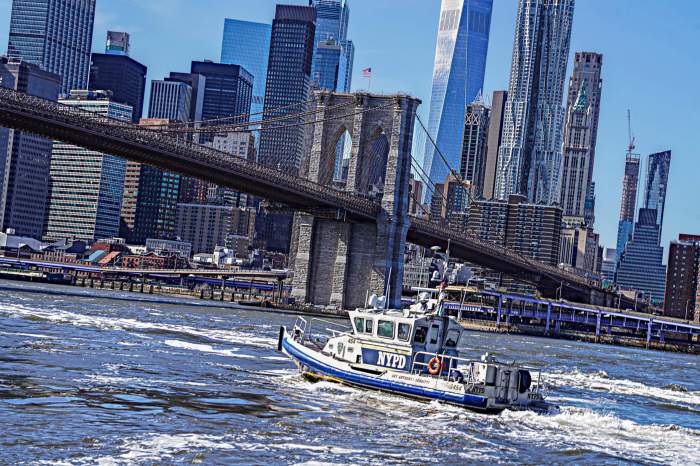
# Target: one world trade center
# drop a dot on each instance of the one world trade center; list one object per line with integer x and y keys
{"x": 458, "y": 78}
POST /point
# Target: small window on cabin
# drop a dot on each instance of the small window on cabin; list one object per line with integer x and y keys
{"x": 359, "y": 324}
{"x": 421, "y": 333}
{"x": 385, "y": 329}
{"x": 404, "y": 332}
{"x": 434, "y": 330}
{"x": 368, "y": 326}
{"x": 452, "y": 338}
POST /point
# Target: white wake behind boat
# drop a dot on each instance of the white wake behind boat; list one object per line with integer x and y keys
{"x": 413, "y": 352}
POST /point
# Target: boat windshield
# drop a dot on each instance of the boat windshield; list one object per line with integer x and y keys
{"x": 452, "y": 338}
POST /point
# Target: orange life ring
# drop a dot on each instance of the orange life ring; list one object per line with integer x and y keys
{"x": 434, "y": 365}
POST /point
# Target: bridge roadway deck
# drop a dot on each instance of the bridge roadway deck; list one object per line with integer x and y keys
{"x": 69, "y": 124}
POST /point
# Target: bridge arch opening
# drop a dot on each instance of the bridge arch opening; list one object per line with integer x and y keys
{"x": 374, "y": 163}
{"x": 342, "y": 149}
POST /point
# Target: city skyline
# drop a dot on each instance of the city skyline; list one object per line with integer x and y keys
{"x": 619, "y": 27}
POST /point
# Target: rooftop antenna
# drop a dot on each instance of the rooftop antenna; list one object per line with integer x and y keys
{"x": 631, "y": 146}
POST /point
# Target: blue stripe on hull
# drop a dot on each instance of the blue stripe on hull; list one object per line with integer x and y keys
{"x": 469, "y": 401}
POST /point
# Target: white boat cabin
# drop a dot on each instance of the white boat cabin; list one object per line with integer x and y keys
{"x": 390, "y": 338}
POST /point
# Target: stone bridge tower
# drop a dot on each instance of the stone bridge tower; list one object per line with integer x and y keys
{"x": 361, "y": 143}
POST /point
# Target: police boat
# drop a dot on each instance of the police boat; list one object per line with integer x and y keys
{"x": 413, "y": 352}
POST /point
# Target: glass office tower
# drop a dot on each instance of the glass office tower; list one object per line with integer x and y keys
{"x": 24, "y": 157}
{"x": 333, "y": 52}
{"x": 288, "y": 83}
{"x": 248, "y": 44}
{"x": 228, "y": 91}
{"x": 641, "y": 266}
{"x": 657, "y": 182}
{"x": 458, "y": 77}
{"x": 56, "y": 35}
{"x": 86, "y": 187}
{"x": 170, "y": 100}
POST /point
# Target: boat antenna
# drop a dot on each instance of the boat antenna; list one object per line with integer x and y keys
{"x": 387, "y": 290}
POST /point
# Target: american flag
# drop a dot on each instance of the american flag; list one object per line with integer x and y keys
{"x": 367, "y": 73}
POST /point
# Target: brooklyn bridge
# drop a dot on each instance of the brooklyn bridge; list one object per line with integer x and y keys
{"x": 348, "y": 240}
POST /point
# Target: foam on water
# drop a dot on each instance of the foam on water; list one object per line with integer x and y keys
{"x": 120, "y": 323}
{"x": 604, "y": 433}
{"x": 601, "y": 381}
{"x": 30, "y": 335}
{"x": 206, "y": 349}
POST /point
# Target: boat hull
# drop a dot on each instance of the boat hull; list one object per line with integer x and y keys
{"x": 315, "y": 365}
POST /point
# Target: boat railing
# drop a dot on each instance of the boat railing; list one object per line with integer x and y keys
{"x": 318, "y": 330}
{"x": 458, "y": 369}
{"x": 451, "y": 367}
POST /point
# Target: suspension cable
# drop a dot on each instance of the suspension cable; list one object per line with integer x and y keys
{"x": 237, "y": 126}
{"x": 330, "y": 118}
{"x": 427, "y": 181}
{"x": 246, "y": 115}
{"x": 452, "y": 171}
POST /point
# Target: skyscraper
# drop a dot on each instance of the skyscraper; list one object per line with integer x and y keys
{"x": 472, "y": 163}
{"x": 640, "y": 266}
{"x": 458, "y": 77}
{"x": 156, "y": 203}
{"x": 196, "y": 82}
{"x": 608, "y": 265}
{"x": 170, "y": 100}
{"x": 580, "y": 133}
{"x": 56, "y": 35}
{"x": 654, "y": 193}
{"x": 191, "y": 189}
{"x": 248, "y": 44}
{"x": 228, "y": 91}
{"x": 151, "y": 194}
{"x": 288, "y": 83}
{"x": 334, "y": 54}
{"x": 115, "y": 71}
{"x": 656, "y": 184}
{"x": 86, "y": 186}
{"x": 495, "y": 134}
{"x": 24, "y": 157}
{"x": 529, "y": 159}
{"x": 628, "y": 200}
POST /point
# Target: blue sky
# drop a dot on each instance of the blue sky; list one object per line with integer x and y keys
{"x": 651, "y": 65}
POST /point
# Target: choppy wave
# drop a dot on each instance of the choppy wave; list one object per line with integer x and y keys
{"x": 579, "y": 432}
{"x": 206, "y": 349}
{"x": 601, "y": 381}
{"x": 121, "y": 323}
{"x": 164, "y": 386}
{"x": 605, "y": 433}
